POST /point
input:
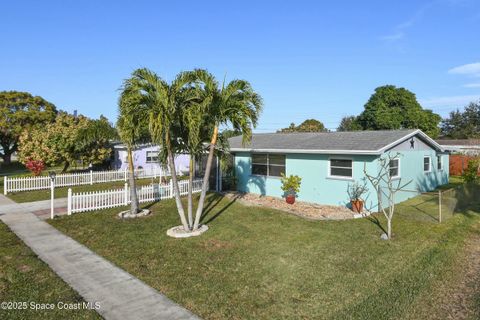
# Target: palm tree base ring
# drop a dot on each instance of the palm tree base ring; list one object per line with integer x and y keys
{"x": 179, "y": 232}
{"x": 127, "y": 214}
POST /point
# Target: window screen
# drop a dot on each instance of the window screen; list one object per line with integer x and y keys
{"x": 341, "y": 168}
{"x": 394, "y": 167}
{"x": 268, "y": 164}
{"x": 426, "y": 164}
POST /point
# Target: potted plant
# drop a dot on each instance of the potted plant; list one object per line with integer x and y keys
{"x": 355, "y": 192}
{"x": 290, "y": 186}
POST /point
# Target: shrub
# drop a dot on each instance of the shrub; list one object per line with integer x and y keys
{"x": 470, "y": 174}
{"x": 35, "y": 166}
{"x": 291, "y": 184}
{"x": 356, "y": 190}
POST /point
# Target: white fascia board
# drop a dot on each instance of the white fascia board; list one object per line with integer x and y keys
{"x": 308, "y": 151}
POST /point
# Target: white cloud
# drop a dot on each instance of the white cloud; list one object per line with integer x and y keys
{"x": 394, "y": 36}
{"x": 449, "y": 102}
{"x": 400, "y": 30}
{"x": 472, "y": 85}
{"x": 468, "y": 69}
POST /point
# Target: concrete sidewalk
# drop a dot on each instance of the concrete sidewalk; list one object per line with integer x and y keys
{"x": 39, "y": 208}
{"x": 120, "y": 295}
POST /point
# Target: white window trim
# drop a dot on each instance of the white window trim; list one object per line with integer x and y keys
{"x": 399, "y": 169}
{"x": 268, "y": 166}
{"x": 441, "y": 163}
{"x": 146, "y": 156}
{"x": 429, "y": 164}
{"x": 329, "y": 176}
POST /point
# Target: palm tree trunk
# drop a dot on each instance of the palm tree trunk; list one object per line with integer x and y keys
{"x": 134, "y": 207}
{"x": 190, "y": 191}
{"x": 206, "y": 178}
{"x": 176, "y": 189}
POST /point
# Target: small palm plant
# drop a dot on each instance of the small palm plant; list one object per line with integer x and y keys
{"x": 291, "y": 186}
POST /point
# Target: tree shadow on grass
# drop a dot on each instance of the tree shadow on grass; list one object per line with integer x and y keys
{"x": 374, "y": 219}
{"x": 149, "y": 205}
{"x": 212, "y": 202}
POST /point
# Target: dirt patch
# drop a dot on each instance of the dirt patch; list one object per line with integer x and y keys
{"x": 24, "y": 268}
{"x": 460, "y": 301}
{"x": 303, "y": 209}
{"x": 214, "y": 245}
{"x": 458, "y": 297}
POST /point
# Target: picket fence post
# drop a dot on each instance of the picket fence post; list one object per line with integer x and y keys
{"x": 5, "y": 185}
{"x": 171, "y": 189}
{"x": 69, "y": 202}
{"x": 91, "y": 177}
{"x": 126, "y": 194}
{"x": 125, "y": 175}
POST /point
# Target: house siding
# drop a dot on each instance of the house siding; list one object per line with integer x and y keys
{"x": 411, "y": 170}
{"x": 318, "y": 187}
{"x": 182, "y": 161}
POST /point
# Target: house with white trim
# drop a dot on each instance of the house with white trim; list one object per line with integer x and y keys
{"x": 330, "y": 162}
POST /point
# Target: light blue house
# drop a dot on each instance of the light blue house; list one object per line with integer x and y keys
{"x": 329, "y": 162}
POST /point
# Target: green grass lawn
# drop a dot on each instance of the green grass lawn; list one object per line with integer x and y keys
{"x": 23, "y": 277}
{"x": 258, "y": 263}
{"x": 36, "y": 195}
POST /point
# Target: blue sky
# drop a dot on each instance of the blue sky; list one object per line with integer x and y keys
{"x": 308, "y": 59}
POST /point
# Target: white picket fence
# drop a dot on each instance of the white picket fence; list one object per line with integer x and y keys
{"x": 96, "y": 200}
{"x": 75, "y": 179}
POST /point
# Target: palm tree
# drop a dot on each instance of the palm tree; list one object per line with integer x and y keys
{"x": 131, "y": 126}
{"x": 194, "y": 129}
{"x": 164, "y": 103}
{"x": 235, "y": 104}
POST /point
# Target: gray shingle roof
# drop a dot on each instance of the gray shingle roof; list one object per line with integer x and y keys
{"x": 459, "y": 142}
{"x": 369, "y": 141}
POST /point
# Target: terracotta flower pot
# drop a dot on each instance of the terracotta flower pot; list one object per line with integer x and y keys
{"x": 357, "y": 205}
{"x": 290, "y": 198}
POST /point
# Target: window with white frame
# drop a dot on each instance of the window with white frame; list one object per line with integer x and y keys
{"x": 439, "y": 163}
{"x": 264, "y": 164}
{"x": 341, "y": 168}
{"x": 152, "y": 156}
{"x": 427, "y": 166}
{"x": 394, "y": 168}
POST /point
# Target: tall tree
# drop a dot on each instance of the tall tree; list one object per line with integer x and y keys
{"x": 63, "y": 142}
{"x": 19, "y": 112}
{"x": 309, "y": 125}
{"x": 463, "y": 124}
{"x": 132, "y": 124}
{"x": 349, "y": 123}
{"x": 94, "y": 139}
{"x": 193, "y": 129}
{"x": 163, "y": 102}
{"x": 397, "y": 108}
{"x": 235, "y": 104}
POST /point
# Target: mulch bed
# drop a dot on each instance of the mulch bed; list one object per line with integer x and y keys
{"x": 299, "y": 208}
